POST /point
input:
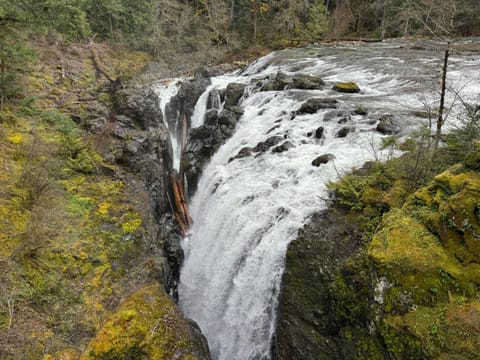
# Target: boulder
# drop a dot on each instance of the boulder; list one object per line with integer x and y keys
{"x": 283, "y": 147}
{"x": 323, "y": 159}
{"x": 388, "y": 125}
{"x": 346, "y": 87}
{"x": 311, "y": 106}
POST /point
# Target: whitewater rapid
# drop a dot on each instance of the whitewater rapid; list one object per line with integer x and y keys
{"x": 246, "y": 211}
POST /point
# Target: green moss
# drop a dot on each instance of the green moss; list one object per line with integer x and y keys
{"x": 146, "y": 325}
{"x": 348, "y": 87}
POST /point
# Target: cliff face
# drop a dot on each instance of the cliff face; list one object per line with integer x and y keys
{"x": 408, "y": 289}
{"x": 87, "y": 239}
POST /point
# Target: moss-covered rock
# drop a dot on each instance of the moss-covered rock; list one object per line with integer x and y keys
{"x": 147, "y": 326}
{"x": 346, "y": 87}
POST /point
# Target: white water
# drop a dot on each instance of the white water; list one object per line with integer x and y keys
{"x": 165, "y": 90}
{"x": 246, "y": 211}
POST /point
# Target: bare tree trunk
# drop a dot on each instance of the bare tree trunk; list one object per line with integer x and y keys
{"x": 255, "y": 9}
{"x": 442, "y": 97}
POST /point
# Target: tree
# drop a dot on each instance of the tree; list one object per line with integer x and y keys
{"x": 317, "y": 23}
{"x": 14, "y": 56}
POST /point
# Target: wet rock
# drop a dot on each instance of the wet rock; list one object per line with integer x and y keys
{"x": 343, "y": 132}
{"x": 346, "y": 87}
{"x": 205, "y": 140}
{"x": 388, "y": 125}
{"x": 333, "y": 114}
{"x": 319, "y": 132}
{"x": 282, "y": 81}
{"x": 244, "y": 152}
{"x": 307, "y": 82}
{"x": 263, "y": 146}
{"x": 344, "y": 119}
{"x": 311, "y": 106}
{"x": 233, "y": 94}
{"x": 283, "y": 147}
{"x": 183, "y": 103}
{"x": 214, "y": 100}
{"x": 323, "y": 159}
{"x": 360, "y": 111}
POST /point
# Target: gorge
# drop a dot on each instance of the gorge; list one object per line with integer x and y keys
{"x": 258, "y": 165}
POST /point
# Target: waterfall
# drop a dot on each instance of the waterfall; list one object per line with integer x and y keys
{"x": 246, "y": 210}
{"x": 165, "y": 90}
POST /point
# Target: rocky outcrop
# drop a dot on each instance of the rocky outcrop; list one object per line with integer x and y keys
{"x": 138, "y": 103}
{"x": 205, "y": 140}
{"x": 141, "y": 145}
{"x": 183, "y": 103}
{"x": 147, "y": 325}
{"x": 282, "y": 81}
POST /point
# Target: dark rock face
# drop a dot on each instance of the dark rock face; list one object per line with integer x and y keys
{"x": 139, "y": 104}
{"x": 388, "y": 125}
{"x": 317, "y": 320}
{"x": 323, "y": 159}
{"x": 183, "y": 104}
{"x": 233, "y": 94}
{"x": 311, "y": 106}
{"x": 204, "y": 141}
{"x": 282, "y": 81}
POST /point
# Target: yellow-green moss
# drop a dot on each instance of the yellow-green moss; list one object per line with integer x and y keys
{"x": 146, "y": 325}
{"x": 349, "y": 87}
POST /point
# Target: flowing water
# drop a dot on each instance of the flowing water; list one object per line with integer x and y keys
{"x": 246, "y": 211}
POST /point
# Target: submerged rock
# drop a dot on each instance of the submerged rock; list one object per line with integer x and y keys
{"x": 346, "y": 87}
{"x": 343, "y": 132}
{"x": 311, "y": 106}
{"x": 283, "y": 147}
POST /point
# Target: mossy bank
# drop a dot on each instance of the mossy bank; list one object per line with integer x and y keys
{"x": 86, "y": 237}
{"x": 388, "y": 271}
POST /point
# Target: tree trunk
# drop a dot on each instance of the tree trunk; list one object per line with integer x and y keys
{"x": 440, "y": 119}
